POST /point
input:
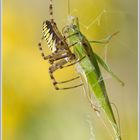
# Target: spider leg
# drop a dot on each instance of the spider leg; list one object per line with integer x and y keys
{"x": 62, "y": 82}
{"x": 59, "y": 55}
{"x": 45, "y": 57}
{"x": 55, "y": 67}
{"x": 54, "y": 56}
{"x": 79, "y": 60}
{"x": 70, "y": 87}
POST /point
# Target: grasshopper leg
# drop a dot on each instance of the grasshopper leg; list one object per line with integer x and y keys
{"x": 106, "y": 40}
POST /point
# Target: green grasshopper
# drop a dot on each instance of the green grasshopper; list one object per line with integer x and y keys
{"x": 73, "y": 47}
{"x": 90, "y": 67}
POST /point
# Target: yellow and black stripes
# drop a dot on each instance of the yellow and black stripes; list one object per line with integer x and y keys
{"x": 49, "y": 35}
{"x": 53, "y": 37}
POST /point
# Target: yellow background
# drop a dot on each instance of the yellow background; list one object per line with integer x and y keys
{"x": 32, "y": 109}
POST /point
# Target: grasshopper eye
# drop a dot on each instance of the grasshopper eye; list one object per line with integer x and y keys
{"x": 74, "y": 27}
{"x": 65, "y": 30}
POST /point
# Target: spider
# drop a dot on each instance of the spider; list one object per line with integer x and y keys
{"x": 61, "y": 53}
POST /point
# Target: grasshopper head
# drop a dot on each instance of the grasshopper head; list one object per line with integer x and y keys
{"x": 72, "y": 26}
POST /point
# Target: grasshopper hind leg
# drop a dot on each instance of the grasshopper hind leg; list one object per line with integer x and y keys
{"x": 88, "y": 94}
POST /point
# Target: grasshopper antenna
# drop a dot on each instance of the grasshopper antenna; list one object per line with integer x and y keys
{"x": 68, "y": 7}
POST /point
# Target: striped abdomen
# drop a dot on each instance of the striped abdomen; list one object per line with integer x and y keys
{"x": 52, "y": 36}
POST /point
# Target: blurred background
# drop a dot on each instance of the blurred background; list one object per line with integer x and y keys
{"x": 32, "y": 109}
